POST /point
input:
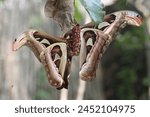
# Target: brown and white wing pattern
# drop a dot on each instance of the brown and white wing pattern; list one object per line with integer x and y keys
{"x": 56, "y": 53}
{"x": 50, "y": 51}
{"x": 94, "y": 42}
{"x": 92, "y": 45}
{"x": 54, "y": 59}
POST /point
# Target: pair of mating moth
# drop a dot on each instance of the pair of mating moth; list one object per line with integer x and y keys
{"x": 89, "y": 42}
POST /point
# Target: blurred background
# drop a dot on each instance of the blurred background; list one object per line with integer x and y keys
{"x": 123, "y": 72}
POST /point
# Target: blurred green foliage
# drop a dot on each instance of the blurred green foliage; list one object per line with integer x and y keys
{"x": 1, "y": 1}
{"x": 128, "y": 78}
{"x": 125, "y": 61}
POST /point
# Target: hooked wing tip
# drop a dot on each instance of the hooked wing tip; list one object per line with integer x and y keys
{"x": 131, "y": 17}
{"x": 14, "y": 45}
{"x": 18, "y": 44}
{"x": 139, "y": 20}
{"x": 134, "y": 18}
{"x": 136, "y": 21}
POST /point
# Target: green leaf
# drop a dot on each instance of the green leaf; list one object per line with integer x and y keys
{"x": 95, "y": 9}
{"x": 78, "y": 14}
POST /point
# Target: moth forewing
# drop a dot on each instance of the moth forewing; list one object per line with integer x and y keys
{"x": 55, "y": 74}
